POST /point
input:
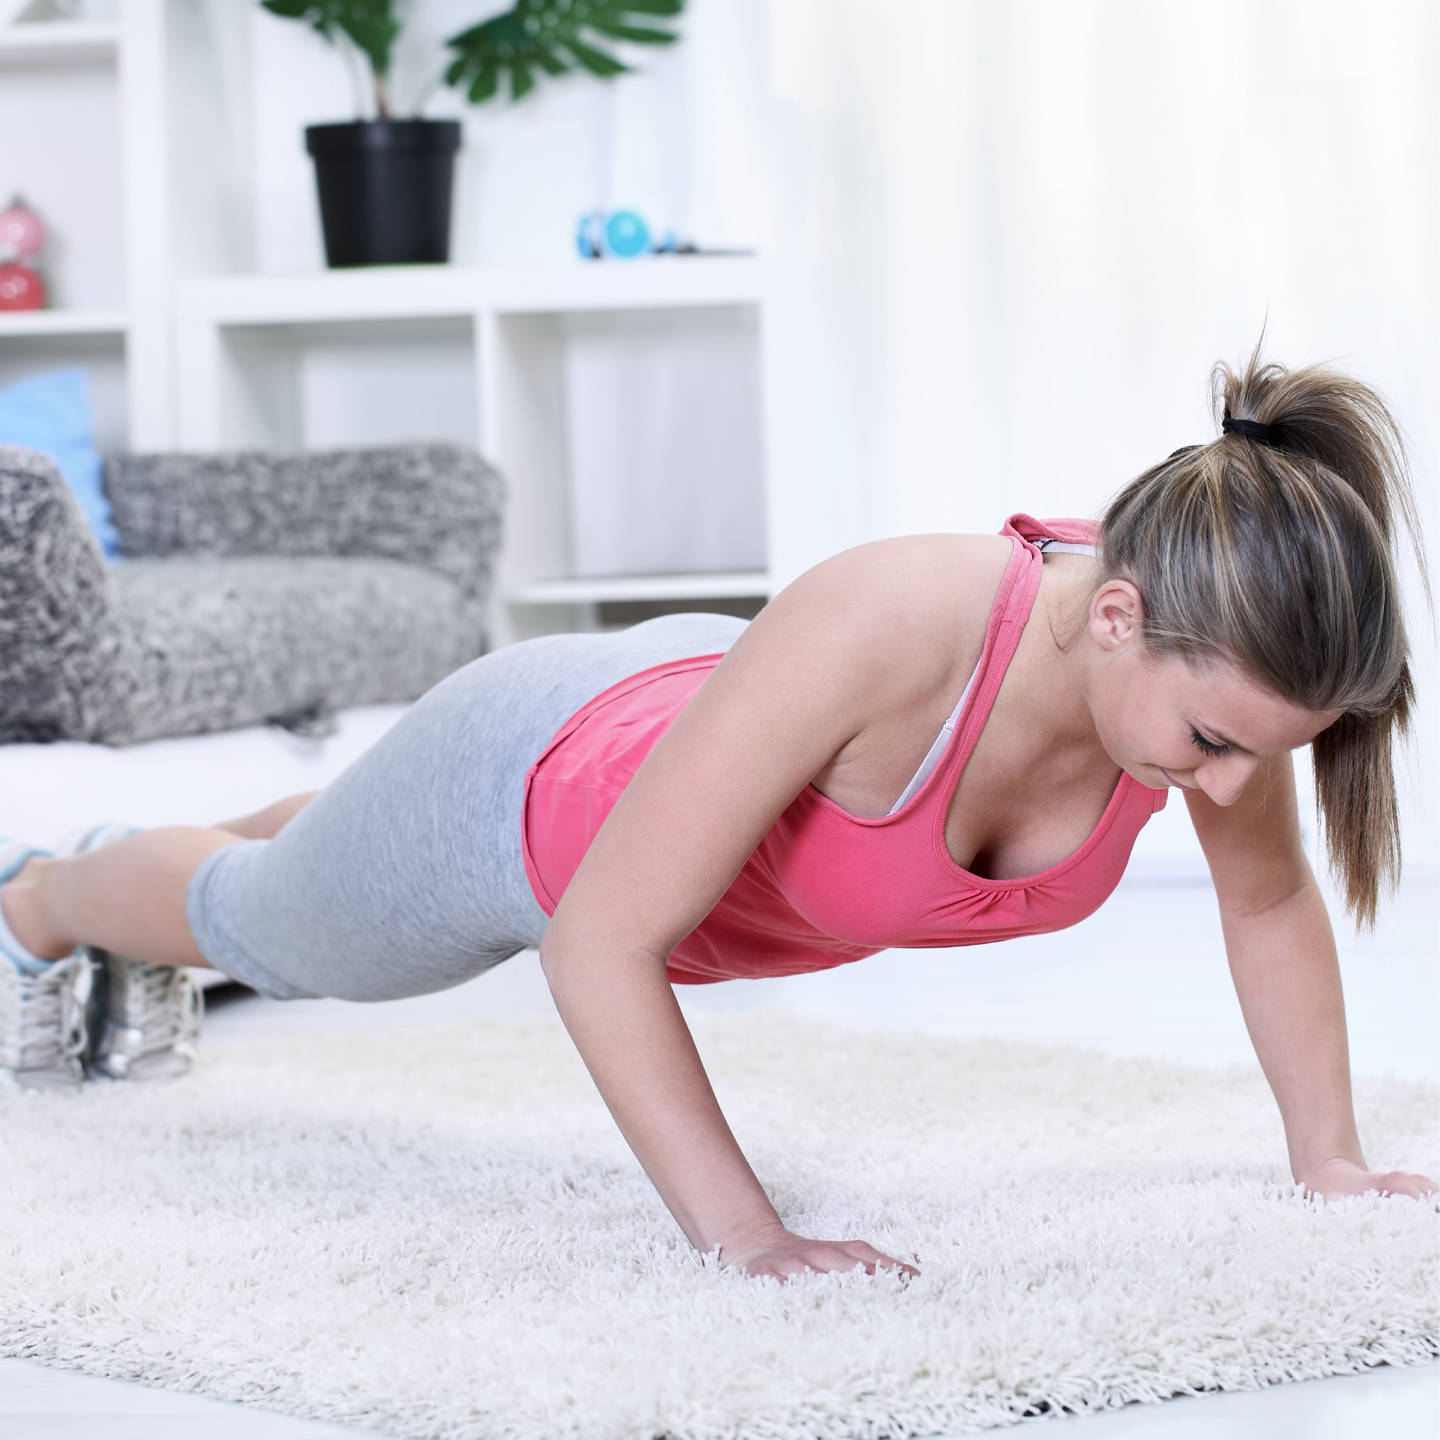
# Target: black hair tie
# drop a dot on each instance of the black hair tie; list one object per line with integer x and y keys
{"x": 1252, "y": 430}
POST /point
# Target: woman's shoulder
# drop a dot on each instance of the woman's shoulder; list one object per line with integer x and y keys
{"x": 906, "y": 612}
{"x": 917, "y": 576}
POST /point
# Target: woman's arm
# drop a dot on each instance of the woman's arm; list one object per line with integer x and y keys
{"x": 840, "y": 647}
{"x": 1287, "y": 976}
{"x": 626, "y": 1023}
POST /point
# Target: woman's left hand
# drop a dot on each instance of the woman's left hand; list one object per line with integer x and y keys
{"x": 1337, "y": 1178}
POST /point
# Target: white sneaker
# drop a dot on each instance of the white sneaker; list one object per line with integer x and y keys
{"x": 150, "y": 1018}
{"x": 145, "y": 1019}
{"x": 42, "y": 1005}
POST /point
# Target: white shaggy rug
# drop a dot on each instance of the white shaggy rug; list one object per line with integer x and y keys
{"x": 439, "y": 1233}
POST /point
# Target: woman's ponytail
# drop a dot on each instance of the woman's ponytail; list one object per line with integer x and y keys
{"x": 1337, "y": 422}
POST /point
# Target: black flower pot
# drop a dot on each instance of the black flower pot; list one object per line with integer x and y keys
{"x": 385, "y": 190}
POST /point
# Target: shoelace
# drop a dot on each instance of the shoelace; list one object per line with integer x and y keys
{"x": 150, "y": 1005}
{"x": 52, "y": 1017}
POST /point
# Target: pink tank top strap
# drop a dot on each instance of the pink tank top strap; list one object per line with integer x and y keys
{"x": 1008, "y": 616}
{"x": 1029, "y": 529}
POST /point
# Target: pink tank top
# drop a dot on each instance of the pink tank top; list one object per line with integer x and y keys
{"x": 824, "y": 886}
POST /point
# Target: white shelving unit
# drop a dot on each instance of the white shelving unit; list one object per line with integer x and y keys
{"x": 59, "y": 42}
{"x": 240, "y": 339}
{"x": 24, "y": 324}
{"x": 128, "y": 136}
{"x": 82, "y": 107}
{"x": 599, "y": 589}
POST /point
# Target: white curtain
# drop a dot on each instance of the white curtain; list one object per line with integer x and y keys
{"x": 1030, "y": 227}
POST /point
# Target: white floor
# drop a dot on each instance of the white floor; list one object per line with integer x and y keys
{"x": 1144, "y": 976}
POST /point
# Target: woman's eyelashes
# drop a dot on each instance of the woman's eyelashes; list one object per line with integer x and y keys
{"x": 1207, "y": 747}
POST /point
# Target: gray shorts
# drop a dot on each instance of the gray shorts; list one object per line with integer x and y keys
{"x": 405, "y": 875}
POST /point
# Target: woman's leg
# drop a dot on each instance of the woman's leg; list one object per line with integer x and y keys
{"x": 266, "y": 824}
{"x": 127, "y": 897}
{"x": 406, "y": 874}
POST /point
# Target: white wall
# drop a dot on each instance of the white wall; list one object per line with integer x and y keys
{"x": 1043, "y": 221}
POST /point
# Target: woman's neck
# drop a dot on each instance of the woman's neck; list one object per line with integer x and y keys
{"x": 1055, "y": 659}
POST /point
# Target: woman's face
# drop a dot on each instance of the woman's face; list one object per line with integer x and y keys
{"x": 1167, "y": 722}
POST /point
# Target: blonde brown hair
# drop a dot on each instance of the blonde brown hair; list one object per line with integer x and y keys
{"x": 1278, "y": 555}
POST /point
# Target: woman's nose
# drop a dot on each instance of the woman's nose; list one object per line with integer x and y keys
{"x": 1223, "y": 779}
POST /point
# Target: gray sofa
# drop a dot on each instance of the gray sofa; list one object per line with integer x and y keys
{"x": 254, "y": 588}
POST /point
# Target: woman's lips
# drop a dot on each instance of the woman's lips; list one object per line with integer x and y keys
{"x": 1172, "y": 779}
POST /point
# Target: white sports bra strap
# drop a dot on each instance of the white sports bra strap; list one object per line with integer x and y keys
{"x": 942, "y": 740}
{"x": 1047, "y": 545}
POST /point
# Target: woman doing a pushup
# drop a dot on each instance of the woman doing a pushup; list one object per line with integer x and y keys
{"x": 935, "y": 741}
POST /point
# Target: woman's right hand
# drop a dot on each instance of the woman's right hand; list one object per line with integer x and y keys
{"x": 780, "y": 1252}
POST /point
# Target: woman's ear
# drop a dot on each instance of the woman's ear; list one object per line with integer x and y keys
{"x": 1116, "y": 615}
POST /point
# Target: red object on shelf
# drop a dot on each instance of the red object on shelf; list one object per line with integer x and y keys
{"x": 21, "y": 288}
{"x": 22, "y": 232}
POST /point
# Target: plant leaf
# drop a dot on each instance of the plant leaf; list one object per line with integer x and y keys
{"x": 553, "y": 37}
{"x": 597, "y": 62}
{"x": 551, "y": 62}
{"x": 486, "y": 86}
{"x": 636, "y": 34}
{"x": 371, "y": 24}
{"x": 522, "y": 81}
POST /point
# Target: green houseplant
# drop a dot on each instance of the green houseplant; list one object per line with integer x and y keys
{"x": 385, "y": 183}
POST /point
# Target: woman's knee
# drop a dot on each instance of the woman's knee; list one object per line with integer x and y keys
{"x": 267, "y": 823}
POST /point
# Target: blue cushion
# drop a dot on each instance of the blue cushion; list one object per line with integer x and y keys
{"x": 51, "y": 414}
